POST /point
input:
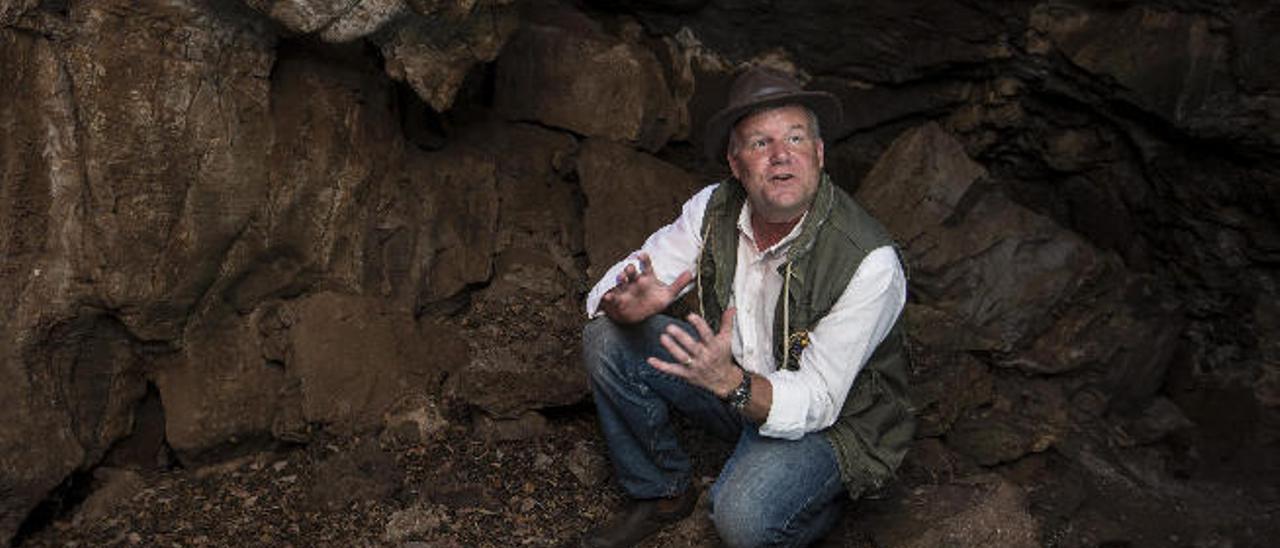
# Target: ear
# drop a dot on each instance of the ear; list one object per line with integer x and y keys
{"x": 733, "y": 164}
{"x": 822, "y": 159}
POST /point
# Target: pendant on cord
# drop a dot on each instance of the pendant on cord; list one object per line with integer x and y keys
{"x": 796, "y": 343}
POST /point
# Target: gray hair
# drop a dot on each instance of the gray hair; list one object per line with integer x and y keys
{"x": 815, "y": 131}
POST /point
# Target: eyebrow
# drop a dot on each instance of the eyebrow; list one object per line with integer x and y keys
{"x": 754, "y": 134}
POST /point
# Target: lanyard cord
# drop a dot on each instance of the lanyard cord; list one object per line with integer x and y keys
{"x": 786, "y": 316}
{"x": 706, "y": 241}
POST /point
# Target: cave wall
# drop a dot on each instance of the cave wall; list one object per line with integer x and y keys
{"x": 289, "y": 216}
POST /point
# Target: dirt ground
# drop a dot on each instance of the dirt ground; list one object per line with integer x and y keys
{"x": 353, "y": 492}
{"x": 545, "y": 491}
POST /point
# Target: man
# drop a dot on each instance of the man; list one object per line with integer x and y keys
{"x": 796, "y": 351}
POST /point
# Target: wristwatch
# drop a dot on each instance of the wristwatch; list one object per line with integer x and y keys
{"x": 739, "y": 397}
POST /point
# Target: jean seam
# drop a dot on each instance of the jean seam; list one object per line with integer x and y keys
{"x": 640, "y": 379}
{"x": 787, "y": 525}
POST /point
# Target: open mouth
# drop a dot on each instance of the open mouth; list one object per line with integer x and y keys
{"x": 781, "y": 177}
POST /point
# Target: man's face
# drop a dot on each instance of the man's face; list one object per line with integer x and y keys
{"x": 779, "y": 158}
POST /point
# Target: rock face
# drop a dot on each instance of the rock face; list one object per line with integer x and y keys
{"x": 333, "y": 20}
{"x": 586, "y": 82}
{"x": 982, "y": 511}
{"x": 620, "y": 183}
{"x": 241, "y": 223}
{"x": 434, "y": 52}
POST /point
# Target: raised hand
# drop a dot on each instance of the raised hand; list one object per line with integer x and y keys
{"x": 706, "y": 361}
{"x": 639, "y": 294}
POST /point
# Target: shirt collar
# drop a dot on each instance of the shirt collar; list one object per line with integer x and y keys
{"x": 744, "y": 226}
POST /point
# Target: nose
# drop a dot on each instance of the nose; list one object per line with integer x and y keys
{"x": 779, "y": 153}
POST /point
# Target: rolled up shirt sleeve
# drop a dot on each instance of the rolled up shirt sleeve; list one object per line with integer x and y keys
{"x": 672, "y": 250}
{"x": 809, "y": 399}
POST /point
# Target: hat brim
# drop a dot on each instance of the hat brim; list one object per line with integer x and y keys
{"x": 824, "y": 105}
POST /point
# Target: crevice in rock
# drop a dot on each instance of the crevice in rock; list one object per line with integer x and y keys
{"x": 452, "y": 306}
{"x": 571, "y": 412}
{"x": 420, "y": 124}
{"x": 145, "y": 447}
{"x": 477, "y": 90}
{"x": 59, "y": 504}
{"x": 58, "y": 7}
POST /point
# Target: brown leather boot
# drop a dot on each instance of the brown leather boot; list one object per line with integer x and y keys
{"x": 640, "y": 519}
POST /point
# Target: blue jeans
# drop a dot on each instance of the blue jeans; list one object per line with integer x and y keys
{"x": 771, "y": 492}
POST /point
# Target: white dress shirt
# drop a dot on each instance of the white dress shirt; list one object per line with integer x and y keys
{"x": 809, "y": 399}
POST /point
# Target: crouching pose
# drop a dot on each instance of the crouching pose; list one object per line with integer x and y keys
{"x": 796, "y": 352}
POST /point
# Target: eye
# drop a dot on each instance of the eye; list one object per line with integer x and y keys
{"x": 757, "y": 144}
{"x": 795, "y": 139}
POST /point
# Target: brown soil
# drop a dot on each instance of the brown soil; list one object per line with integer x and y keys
{"x": 546, "y": 491}
{"x": 352, "y": 492}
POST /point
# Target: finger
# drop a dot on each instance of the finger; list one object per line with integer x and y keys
{"x": 684, "y": 279}
{"x": 678, "y": 352}
{"x": 687, "y": 342}
{"x": 646, "y": 265}
{"x": 673, "y": 369}
{"x": 701, "y": 326}
{"x": 726, "y": 321}
{"x": 630, "y": 272}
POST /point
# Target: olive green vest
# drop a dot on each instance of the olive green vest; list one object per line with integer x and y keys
{"x": 875, "y": 425}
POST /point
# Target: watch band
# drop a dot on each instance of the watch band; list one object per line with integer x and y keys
{"x": 739, "y": 397}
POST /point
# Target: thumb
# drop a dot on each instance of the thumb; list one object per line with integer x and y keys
{"x": 726, "y": 321}
{"x": 681, "y": 281}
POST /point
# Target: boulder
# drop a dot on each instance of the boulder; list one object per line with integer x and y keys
{"x": 39, "y": 229}
{"x": 355, "y": 357}
{"x": 1168, "y": 61}
{"x": 1175, "y": 64}
{"x": 413, "y": 421}
{"x": 972, "y": 253}
{"x": 629, "y": 195}
{"x": 125, "y": 180}
{"x": 218, "y": 392}
{"x": 944, "y": 386}
{"x": 882, "y": 42}
{"x": 524, "y": 355}
{"x": 320, "y": 219}
{"x": 587, "y": 82}
{"x": 539, "y": 241}
{"x": 456, "y": 219}
{"x": 977, "y": 511}
{"x": 699, "y": 79}
{"x": 72, "y": 392}
{"x": 1127, "y": 326}
{"x": 1025, "y": 416}
{"x": 434, "y": 54}
{"x": 172, "y": 150}
{"x": 112, "y": 488}
{"x": 523, "y": 327}
{"x": 331, "y": 20}
{"x": 411, "y": 226}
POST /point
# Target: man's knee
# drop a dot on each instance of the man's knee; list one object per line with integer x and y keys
{"x": 601, "y": 342}
{"x": 742, "y": 520}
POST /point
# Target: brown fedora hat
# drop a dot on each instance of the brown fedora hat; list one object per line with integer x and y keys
{"x": 760, "y": 87}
